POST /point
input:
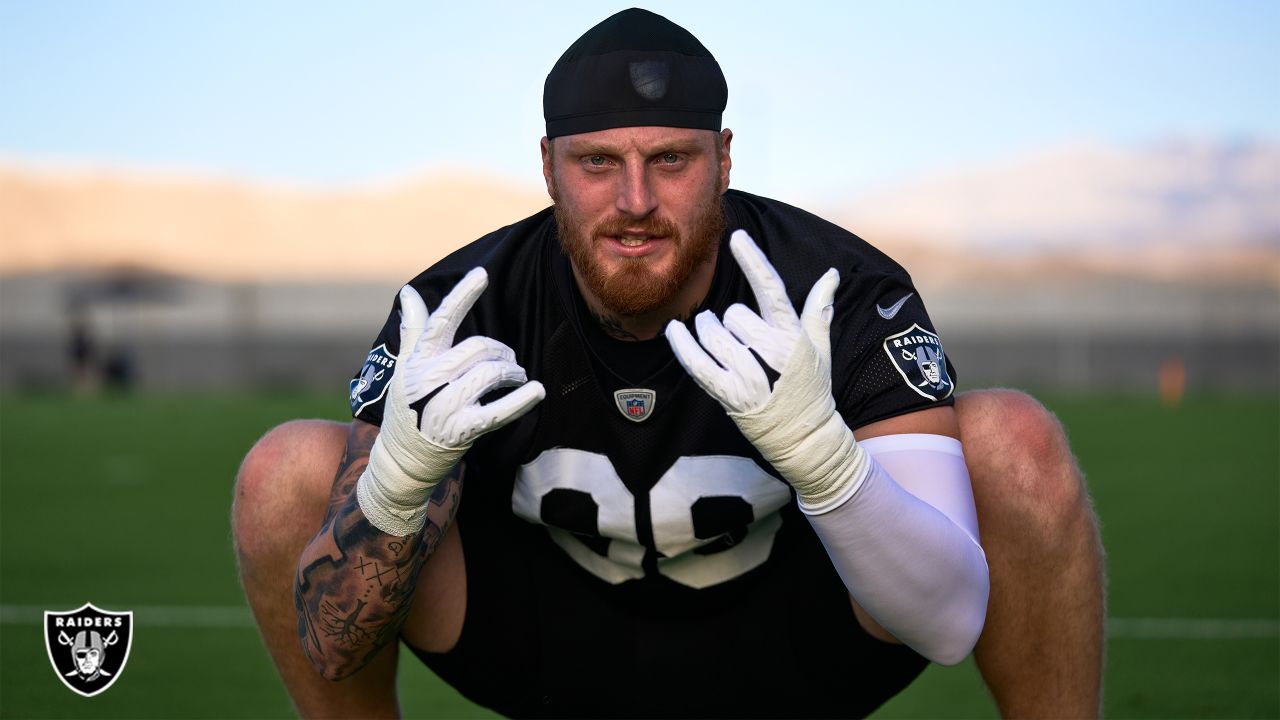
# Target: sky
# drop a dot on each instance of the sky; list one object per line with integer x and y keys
{"x": 824, "y": 98}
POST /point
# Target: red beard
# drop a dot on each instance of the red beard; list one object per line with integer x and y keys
{"x": 634, "y": 288}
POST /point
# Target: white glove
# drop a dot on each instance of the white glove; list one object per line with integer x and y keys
{"x": 408, "y": 460}
{"x": 796, "y": 427}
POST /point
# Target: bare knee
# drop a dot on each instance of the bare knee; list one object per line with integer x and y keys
{"x": 289, "y": 450}
{"x": 284, "y": 481}
{"x": 1020, "y": 461}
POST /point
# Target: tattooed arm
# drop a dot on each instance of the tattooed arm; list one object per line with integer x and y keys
{"x": 355, "y": 583}
{"x": 355, "y": 579}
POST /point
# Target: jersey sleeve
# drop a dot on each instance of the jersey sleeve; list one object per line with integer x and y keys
{"x": 887, "y": 358}
{"x": 367, "y": 390}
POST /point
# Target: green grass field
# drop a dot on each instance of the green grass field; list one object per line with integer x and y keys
{"x": 124, "y": 502}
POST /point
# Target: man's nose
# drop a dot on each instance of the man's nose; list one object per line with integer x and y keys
{"x": 636, "y": 197}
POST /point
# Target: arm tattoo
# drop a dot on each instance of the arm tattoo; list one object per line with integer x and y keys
{"x": 355, "y": 583}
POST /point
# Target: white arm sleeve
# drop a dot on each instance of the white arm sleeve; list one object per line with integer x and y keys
{"x": 906, "y": 545}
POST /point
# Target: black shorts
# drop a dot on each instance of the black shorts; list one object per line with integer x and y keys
{"x": 541, "y": 638}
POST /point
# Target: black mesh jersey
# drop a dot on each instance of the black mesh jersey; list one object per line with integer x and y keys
{"x": 641, "y": 558}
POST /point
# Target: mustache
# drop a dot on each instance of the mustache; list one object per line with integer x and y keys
{"x": 653, "y": 225}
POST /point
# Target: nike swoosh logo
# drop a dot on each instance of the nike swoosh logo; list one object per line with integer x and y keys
{"x": 889, "y": 312}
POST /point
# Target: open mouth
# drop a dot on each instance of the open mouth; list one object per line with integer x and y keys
{"x": 635, "y": 245}
{"x": 634, "y": 240}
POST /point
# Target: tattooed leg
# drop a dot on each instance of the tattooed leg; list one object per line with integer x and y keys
{"x": 281, "y": 495}
{"x": 355, "y": 583}
{"x": 283, "y": 491}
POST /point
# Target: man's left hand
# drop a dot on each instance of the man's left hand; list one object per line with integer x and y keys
{"x": 795, "y": 425}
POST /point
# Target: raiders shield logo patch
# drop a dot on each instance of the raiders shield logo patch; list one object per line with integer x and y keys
{"x": 371, "y": 384}
{"x": 917, "y": 355}
{"x": 88, "y": 647}
{"x": 635, "y": 404}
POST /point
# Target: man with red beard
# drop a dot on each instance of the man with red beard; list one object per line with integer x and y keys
{"x": 711, "y": 449}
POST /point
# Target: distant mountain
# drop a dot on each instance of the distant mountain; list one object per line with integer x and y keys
{"x": 224, "y": 230}
{"x": 1173, "y": 209}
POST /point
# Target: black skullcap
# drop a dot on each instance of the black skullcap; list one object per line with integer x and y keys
{"x": 634, "y": 68}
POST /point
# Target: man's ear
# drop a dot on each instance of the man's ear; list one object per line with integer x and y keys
{"x": 548, "y": 164}
{"x": 726, "y": 163}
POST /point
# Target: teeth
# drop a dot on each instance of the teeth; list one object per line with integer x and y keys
{"x": 631, "y": 240}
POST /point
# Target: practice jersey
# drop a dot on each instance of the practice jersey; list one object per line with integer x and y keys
{"x": 625, "y": 546}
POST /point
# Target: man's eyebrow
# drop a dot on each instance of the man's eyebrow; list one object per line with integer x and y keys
{"x": 688, "y": 147}
{"x": 585, "y": 148}
{"x": 591, "y": 148}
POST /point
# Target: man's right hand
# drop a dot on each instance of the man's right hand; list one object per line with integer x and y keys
{"x": 410, "y": 457}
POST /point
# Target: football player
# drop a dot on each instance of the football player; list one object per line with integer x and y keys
{"x": 712, "y": 458}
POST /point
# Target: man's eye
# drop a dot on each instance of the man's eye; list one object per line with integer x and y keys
{"x": 596, "y": 160}
{"x": 670, "y": 158}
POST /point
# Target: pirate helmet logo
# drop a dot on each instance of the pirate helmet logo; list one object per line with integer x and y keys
{"x": 368, "y": 376}
{"x": 929, "y": 363}
{"x": 88, "y": 647}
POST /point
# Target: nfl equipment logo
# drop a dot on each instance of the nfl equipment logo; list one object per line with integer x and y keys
{"x": 88, "y": 647}
{"x": 917, "y": 355}
{"x": 635, "y": 404}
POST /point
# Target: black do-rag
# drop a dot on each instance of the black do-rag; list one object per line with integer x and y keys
{"x": 634, "y": 68}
